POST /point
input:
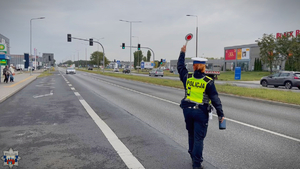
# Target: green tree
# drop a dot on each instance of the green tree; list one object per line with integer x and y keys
{"x": 283, "y": 48}
{"x": 148, "y": 56}
{"x": 295, "y": 53}
{"x": 144, "y": 58}
{"x": 255, "y": 64}
{"x": 260, "y": 65}
{"x": 97, "y": 57}
{"x": 267, "y": 47}
{"x": 69, "y": 62}
{"x": 138, "y": 56}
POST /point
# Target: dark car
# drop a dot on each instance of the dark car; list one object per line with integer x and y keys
{"x": 126, "y": 70}
{"x": 90, "y": 68}
{"x": 288, "y": 79}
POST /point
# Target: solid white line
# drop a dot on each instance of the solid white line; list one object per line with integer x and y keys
{"x": 122, "y": 150}
{"x": 245, "y": 124}
{"x": 265, "y": 130}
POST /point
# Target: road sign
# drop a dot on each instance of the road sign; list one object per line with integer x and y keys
{"x": 237, "y": 73}
{"x": 142, "y": 65}
{"x": 188, "y": 37}
{"x": 164, "y": 60}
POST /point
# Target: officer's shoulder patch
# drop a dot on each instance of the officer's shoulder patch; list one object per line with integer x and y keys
{"x": 190, "y": 74}
{"x": 207, "y": 79}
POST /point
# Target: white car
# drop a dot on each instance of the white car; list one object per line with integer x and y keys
{"x": 70, "y": 70}
{"x": 116, "y": 70}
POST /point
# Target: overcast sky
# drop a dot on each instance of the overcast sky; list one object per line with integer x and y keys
{"x": 164, "y": 25}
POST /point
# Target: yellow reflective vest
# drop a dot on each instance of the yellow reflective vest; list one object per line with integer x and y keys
{"x": 195, "y": 89}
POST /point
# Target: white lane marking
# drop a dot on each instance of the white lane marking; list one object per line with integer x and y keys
{"x": 67, "y": 82}
{"x": 72, "y": 88}
{"x": 265, "y": 130}
{"x": 76, "y": 93}
{"x": 70, "y": 84}
{"x": 50, "y": 94}
{"x": 128, "y": 158}
{"x": 122, "y": 150}
{"x": 228, "y": 119}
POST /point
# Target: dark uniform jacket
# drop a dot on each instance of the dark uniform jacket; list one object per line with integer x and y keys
{"x": 210, "y": 87}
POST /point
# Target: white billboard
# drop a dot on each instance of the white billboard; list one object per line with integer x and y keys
{"x": 245, "y": 53}
{"x": 148, "y": 65}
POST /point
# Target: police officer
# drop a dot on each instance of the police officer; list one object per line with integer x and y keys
{"x": 199, "y": 92}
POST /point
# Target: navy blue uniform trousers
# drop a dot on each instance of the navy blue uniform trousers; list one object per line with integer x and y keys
{"x": 196, "y": 121}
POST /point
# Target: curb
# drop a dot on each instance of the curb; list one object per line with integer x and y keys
{"x": 16, "y": 91}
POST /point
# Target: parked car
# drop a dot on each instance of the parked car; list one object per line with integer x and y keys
{"x": 156, "y": 72}
{"x": 116, "y": 70}
{"x": 126, "y": 70}
{"x": 90, "y": 68}
{"x": 288, "y": 79}
{"x": 70, "y": 70}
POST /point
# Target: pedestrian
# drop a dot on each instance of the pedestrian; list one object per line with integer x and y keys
{"x": 5, "y": 74}
{"x": 11, "y": 75}
{"x": 199, "y": 92}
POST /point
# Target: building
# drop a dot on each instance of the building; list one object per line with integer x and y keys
{"x": 5, "y": 42}
{"x": 211, "y": 63}
{"x": 244, "y": 56}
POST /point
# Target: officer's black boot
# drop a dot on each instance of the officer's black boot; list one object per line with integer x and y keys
{"x": 201, "y": 167}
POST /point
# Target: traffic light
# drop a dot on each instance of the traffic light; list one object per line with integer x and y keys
{"x": 69, "y": 38}
{"x": 123, "y": 45}
{"x": 139, "y": 47}
{"x": 114, "y": 60}
{"x": 161, "y": 61}
{"x": 91, "y": 42}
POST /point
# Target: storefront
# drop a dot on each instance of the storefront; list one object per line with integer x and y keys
{"x": 241, "y": 56}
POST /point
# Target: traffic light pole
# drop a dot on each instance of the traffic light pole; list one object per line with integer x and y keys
{"x": 144, "y": 48}
{"x": 95, "y": 42}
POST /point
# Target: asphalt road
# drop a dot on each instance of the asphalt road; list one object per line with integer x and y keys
{"x": 57, "y": 130}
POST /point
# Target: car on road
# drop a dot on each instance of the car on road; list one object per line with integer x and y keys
{"x": 90, "y": 68}
{"x": 70, "y": 70}
{"x": 126, "y": 70}
{"x": 288, "y": 79}
{"x": 156, "y": 72}
{"x": 116, "y": 70}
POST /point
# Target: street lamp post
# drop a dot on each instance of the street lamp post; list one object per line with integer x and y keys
{"x": 196, "y": 34}
{"x": 31, "y": 37}
{"x": 130, "y": 36}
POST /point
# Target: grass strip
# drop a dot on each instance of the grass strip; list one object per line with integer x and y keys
{"x": 45, "y": 73}
{"x": 262, "y": 93}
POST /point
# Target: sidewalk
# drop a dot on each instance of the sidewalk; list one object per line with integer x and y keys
{"x": 21, "y": 80}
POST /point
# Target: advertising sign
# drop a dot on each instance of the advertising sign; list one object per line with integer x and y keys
{"x": 148, "y": 65}
{"x": 246, "y": 53}
{"x": 230, "y": 54}
{"x": 239, "y": 54}
{"x": 3, "y": 48}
